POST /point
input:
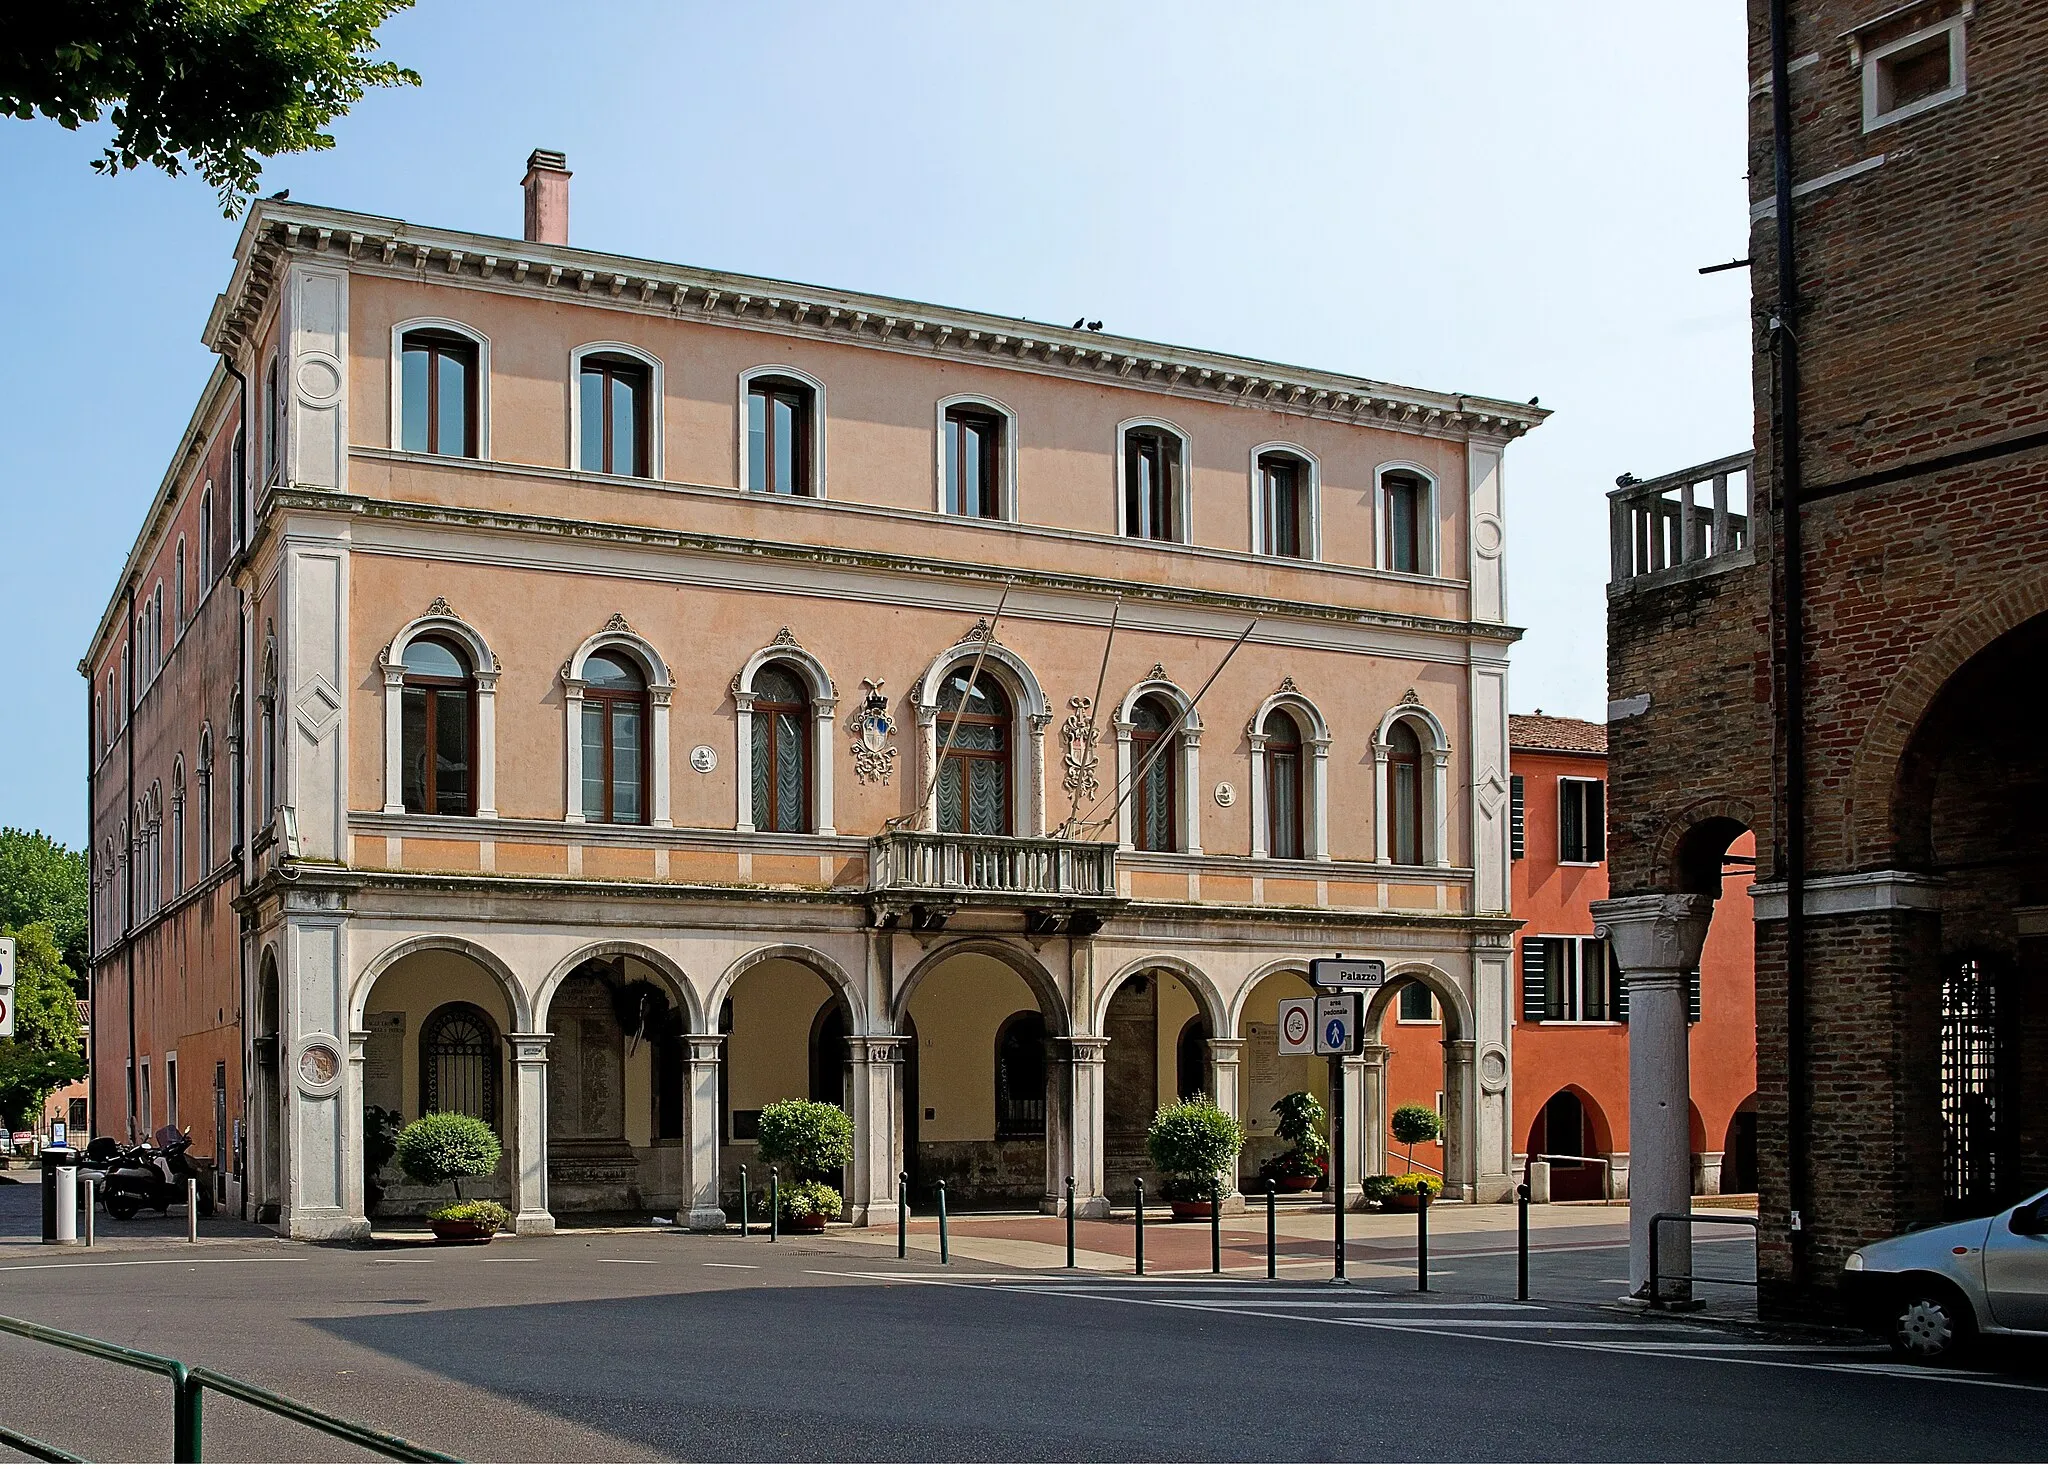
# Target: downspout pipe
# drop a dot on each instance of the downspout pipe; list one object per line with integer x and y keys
{"x": 1785, "y": 341}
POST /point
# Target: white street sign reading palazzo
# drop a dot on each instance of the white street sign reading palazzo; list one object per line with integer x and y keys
{"x": 1364, "y": 975}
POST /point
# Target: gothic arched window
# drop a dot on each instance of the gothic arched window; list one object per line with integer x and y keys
{"x": 459, "y": 1063}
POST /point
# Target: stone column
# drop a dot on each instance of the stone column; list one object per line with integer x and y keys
{"x": 1081, "y": 1137}
{"x": 1223, "y": 1090}
{"x": 706, "y": 1053}
{"x": 1355, "y": 1136}
{"x": 1372, "y": 1109}
{"x": 530, "y": 1126}
{"x": 1656, "y": 939}
{"x": 877, "y": 1128}
{"x": 1461, "y": 1107}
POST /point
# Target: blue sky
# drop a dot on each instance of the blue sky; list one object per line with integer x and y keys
{"x": 1505, "y": 198}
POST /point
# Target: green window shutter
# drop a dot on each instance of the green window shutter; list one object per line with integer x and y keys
{"x": 1535, "y": 975}
{"x": 1692, "y": 997}
{"x": 1596, "y": 821}
{"x": 1620, "y": 983}
{"x": 1517, "y": 814}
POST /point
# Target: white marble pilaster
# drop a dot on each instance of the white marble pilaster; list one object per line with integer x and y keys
{"x": 706, "y": 1056}
{"x": 530, "y": 1134}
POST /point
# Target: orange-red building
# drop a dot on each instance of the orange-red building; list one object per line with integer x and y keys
{"x": 1570, "y": 1013}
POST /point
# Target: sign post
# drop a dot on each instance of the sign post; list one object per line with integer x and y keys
{"x": 1343, "y": 986}
{"x": 6, "y": 987}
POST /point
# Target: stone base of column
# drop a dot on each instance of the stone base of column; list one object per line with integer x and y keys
{"x": 1095, "y": 1207}
{"x": 1669, "y": 1303}
{"x": 538, "y": 1222}
{"x": 872, "y": 1216}
{"x": 705, "y": 1221}
{"x": 1233, "y": 1202}
{"x": 324, "y": 1224}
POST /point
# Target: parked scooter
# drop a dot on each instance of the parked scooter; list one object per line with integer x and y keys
{"x": 151, "y": 1178}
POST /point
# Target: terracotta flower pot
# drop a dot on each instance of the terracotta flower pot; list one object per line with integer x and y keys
{"x": 1401, "y": 1203}
{"x": 804, "y": 1224}
{"x": 1191, "y": 1208}
{"x": 1296, "y": 1183}
{"x": 462, "y": 1231}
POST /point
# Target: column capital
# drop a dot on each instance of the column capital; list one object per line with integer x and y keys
{"x": 877, "y": 1050}
{"x": 1373, "y": 1054}
{"x": 529, "y": 1046}
{"x": 1461, "y": 1053}
{"x": 1655, "y": 933}
{"x": 1080, "y": 1050}
{"x": 705, "y": 1047}
{"x": 1228, "y": 1049}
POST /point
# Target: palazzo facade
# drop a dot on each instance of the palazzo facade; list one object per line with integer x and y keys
{"x": 633, "y": 694}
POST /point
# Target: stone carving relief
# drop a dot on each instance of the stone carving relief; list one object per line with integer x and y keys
{"x": 874, "y": 758}
{"x": 1078, "y": 738}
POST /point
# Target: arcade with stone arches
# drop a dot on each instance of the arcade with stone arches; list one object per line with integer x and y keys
{"x": 626, "y": 1075}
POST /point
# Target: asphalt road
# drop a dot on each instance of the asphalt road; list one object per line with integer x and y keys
{"x": 662, "y": 1345}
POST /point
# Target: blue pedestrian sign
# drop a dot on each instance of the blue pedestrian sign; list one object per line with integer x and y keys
{"x": 1337, "y": 1025}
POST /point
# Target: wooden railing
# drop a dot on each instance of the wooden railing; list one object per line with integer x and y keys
{"x": 1688, "y": 519}
{"x": 924, "y": 862}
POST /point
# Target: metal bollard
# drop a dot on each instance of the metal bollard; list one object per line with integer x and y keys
{"x": 1522, "y": 1242}
{"x": 774, "y": 1205}
{"x": 1070, "y": 1222}
{"x": 945, "y": 1249}
{"x": 1422, "y": 1238}
{"x": 1272, "y": 1232}
{"x": 743, "y": 1201}
{"x": 92, "y": 1191}
{"x": 902, "y": 1216}
{"x": 1140, "y": 1218}
{"x": 191, "y": 1211}
{"x": 1215, "y": 1227}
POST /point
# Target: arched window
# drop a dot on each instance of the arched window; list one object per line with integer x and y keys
{"x": 438, "y": 730}
{"x": 615, "y": 415}
{"x": 438, "y": 376}
{"x": 1404, "y": 795}
{"x": 205, "y": 773}
{"x": 1191, "y": 1059}
{"x": 974, "y": 776}
{"x": 1284, "y": 786}
{"x": 1153, "y": 484}
{"x": 829, "y": 1056}
{"x": 1020, "y": 1076}
{"x": 780, "y": 454}
{"x": 178, "y": 596}
{"x": 972, "y": 461}
{"x": 1407, "y": 522}
{"x": 178, "y": 827}
{"x": 1285, "y": 490}
{"x": 615, "y": 743}
{"x": 205, "y": 540}
{"x": 782, "y": 751}
{"x": 459, "y": 1063}
{"x": 1155, "y": 797}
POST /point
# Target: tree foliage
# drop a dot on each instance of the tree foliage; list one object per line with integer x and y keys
{"x": 445, "y": 1146}
{"x": 811, "y": 1139}
{"x": 43, "y": 881}
{"x": 48, "y": 1046}
{"x": 213, "y": 84}
{"x": 1414, "y": 1123}
{"x": 1194, "y": 1140}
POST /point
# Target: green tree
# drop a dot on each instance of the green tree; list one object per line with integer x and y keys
{"x": 48, "y": 1046}
{"x": 43, "y": 881}
{"x": 216, "y": 84}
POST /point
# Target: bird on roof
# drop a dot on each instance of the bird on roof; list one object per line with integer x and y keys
{"x": 282, "y": 194}
{"x": 1094, "y": 326}
{"x": 1079, "y": 322}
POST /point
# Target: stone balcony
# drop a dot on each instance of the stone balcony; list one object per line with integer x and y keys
{"x": 922, "y": 877}
{"x": 1693, "y": 523}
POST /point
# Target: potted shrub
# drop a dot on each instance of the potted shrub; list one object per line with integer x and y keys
{"x": 1377, "y": 1189}
{"x": 809, "y": 1142}
{"x": 1407, "y": 1191}
{"x": 1300, "y": 1168}
{"x": 1414, "y": 1123}
{"x": 380, "y": 1144}
{"x": 447, "y": 1147}
{"x": 1195, "y": 1144}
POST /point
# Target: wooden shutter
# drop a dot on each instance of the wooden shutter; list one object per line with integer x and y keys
{"x": 1517, "y": 810}
{"x": 1692, "y": 997}
{"x": 1596, "y": 820}
{"x": 1535, "y": 980}
{"x": 1620, "y": 984}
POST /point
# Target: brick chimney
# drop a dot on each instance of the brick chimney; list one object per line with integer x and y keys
{"x": 547, "y": 196}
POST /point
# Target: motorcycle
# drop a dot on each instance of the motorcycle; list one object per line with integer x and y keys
{"x": 148, "y": 1177}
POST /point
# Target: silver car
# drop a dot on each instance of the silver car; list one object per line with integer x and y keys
{"x": 1932, "y": 1291}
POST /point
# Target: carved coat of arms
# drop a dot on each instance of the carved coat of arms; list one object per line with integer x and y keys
{"x": 874, "y": 758}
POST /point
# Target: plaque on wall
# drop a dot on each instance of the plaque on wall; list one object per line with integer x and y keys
{"x": 384, "y": 1060}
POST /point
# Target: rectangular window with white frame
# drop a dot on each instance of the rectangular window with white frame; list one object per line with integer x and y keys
{"x": 1909, "y": 74}
{"x": 1581, "y": 821}
{"x": 1569, "y": 980}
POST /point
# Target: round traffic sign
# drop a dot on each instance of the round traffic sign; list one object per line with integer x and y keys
{"x": 1333, "y": 1035}
{"x": 1294, "y": 1024}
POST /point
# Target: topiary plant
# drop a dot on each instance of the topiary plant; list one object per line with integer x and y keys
{"x": 1300, "y": 1117}
{"x": 445, "y": 1147}
{"x": 1377, "y": 1188}
{"x": 1414, "y": 1123}
{"x": 811, "y": 1139}
{"x": 801, "y": 1201}
{"x": 1194, "y": 1143}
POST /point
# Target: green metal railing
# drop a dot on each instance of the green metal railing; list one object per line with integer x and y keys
{"x": 187, "y": 1418}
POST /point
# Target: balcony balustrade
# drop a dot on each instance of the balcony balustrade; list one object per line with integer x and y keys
{"x": 926, "y": 865}
{"x": 1662, "y": 529}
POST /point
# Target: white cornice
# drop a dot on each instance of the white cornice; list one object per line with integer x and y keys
{"x": 389, "y": 247}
